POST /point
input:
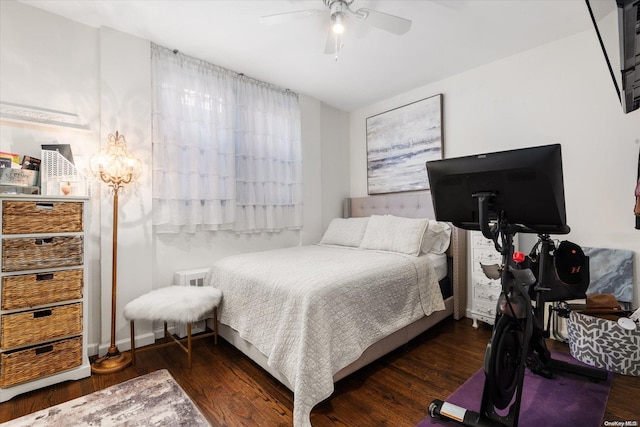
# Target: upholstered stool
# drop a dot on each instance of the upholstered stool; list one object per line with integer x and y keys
{"x": 178, "y": 304}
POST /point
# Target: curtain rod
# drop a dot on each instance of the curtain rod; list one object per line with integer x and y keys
{"x": 270, "y": 85}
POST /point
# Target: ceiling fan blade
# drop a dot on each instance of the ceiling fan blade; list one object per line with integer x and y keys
{"x": 384, "y": 21}
{"x": 281, "y": 18}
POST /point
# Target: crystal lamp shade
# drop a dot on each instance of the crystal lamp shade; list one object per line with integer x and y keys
{"x": 114, "y": 165}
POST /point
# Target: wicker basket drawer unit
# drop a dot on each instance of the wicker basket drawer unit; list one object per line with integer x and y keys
{"x": 24, "y": 365}
{"x": 30, "y": 290}
{"x": 31, "y": 217}
{"x": 31, "y": 253}
{"x": 43, "y": 303}
{"x": 34, "y": 326}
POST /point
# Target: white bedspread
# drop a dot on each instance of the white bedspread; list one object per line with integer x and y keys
{"x": 312, "y": 310}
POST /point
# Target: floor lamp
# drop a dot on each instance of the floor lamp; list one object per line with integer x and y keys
{"x": 116, "y": 167}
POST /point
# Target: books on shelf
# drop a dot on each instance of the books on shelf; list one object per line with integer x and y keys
{"x": 15, "y": 178}
{"x": 53, "y": 172}
{"x": 9, "y": 160}
{"x": 31, "y": 163}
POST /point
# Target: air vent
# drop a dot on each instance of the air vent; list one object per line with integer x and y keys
{"x": 194, "y": 277}
{"x": 190, "y": 277}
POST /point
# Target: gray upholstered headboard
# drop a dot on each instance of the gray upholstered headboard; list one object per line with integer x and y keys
{"x": 419, "y": 205}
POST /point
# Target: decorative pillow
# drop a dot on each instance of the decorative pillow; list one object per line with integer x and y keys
{"x": 437, "y": 238}
{"x": 345, "y": 232}
{"x": 394, "y": 234}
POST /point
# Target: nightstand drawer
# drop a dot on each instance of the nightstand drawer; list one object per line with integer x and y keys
{"x": 486, "y": 294}
{"x": 481, "y": 242}
{"x": 30, "y": 217}
{"x": 30, "y": 290}
{"x": 39, "y": 361}
{"x": 485, "y": 308}
{"x": 34, "y": 326}
{"x": 32, "y": 253}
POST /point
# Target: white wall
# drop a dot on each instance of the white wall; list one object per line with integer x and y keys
{"x": 52, "y": 63}
{"x": 103, "y": 75}
{"x": 125, "y": 105}
{"x": 336, "y": 163}
{"x": 557, "y": 93}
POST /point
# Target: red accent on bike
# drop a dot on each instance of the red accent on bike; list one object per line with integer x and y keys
{"x": 518, "y": 256}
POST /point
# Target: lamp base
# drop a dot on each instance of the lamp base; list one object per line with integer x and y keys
{"x": 111, "y": 362}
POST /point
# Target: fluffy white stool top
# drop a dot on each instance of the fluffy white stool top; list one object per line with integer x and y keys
{"x": 182, "y": 304}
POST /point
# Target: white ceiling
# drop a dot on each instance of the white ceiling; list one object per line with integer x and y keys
{"x": 447, "y": 37}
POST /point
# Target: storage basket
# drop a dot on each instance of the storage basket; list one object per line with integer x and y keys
{"x": 604, "y": 344}
{"x": 56, "y": 172}
{"x": 30, "y": 290}
{"x": 18, "y": 177}
{"x": 34, "y": 326}
{"x": 26, "y": 217}
{"x": 32, "y": 253}
{"x": 39, "y": 361}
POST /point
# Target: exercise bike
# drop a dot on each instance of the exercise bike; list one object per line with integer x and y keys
{"x": 502, "y": 194}
{"x": 518, "y": 338}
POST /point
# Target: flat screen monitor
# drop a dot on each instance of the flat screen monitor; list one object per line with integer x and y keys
{"x": 526, "y": 186}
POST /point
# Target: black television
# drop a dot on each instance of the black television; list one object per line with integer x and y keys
{"x": 617, "y": 27}
{"x": 525, "y": 185}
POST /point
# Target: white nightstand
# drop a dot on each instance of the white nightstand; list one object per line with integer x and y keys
{"x": 486, "y": 292}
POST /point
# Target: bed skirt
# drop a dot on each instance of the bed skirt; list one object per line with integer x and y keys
{"x": 374, "y": 352}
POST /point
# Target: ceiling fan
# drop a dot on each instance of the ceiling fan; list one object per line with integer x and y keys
{"x": 340, "y": 13}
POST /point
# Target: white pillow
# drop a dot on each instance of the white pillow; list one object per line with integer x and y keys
{"x": 345, "y": 232}
{"x": 394, "y": 234}
{"x": 437, "y": 238}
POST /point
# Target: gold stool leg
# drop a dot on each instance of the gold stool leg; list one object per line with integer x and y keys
{"x": 189, "y": 342}
{"x": 215, "y": 325}
{"x": 133, "y": 343}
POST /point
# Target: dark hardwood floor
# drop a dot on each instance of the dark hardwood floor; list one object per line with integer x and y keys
{"x": 393, "y": 391}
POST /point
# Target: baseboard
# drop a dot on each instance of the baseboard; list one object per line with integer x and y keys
{"x": 124, "y": 344}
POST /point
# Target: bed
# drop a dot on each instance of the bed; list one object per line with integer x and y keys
{"x": 312, "y": 315}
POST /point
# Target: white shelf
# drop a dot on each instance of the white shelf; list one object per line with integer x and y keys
{"x": 84, "y": 369}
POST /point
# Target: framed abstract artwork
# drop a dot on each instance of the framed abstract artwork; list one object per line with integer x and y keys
{"x": 400, "y": 142}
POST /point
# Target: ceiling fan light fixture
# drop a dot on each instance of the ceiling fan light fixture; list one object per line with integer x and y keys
{"x": 338, "y": 26}
{"x": 339, "y": 11}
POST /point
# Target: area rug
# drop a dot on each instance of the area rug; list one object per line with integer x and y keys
{"x": 565, "y": 400}
{"x": 154, "y": 399}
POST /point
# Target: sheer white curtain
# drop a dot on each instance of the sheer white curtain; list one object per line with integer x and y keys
{"x": 268, "y": 159}
{"x": 226, "y": 149}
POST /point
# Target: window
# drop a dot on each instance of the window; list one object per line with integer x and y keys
{"x": 226, "y": 149}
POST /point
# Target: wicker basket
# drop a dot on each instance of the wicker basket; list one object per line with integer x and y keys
{"x": 31, "y": 253}
{"x": 30, "y": 290}
{"x": 34, "y": 326}
{"x": 40, "y": 361}
{"x": 26, "y": 217}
